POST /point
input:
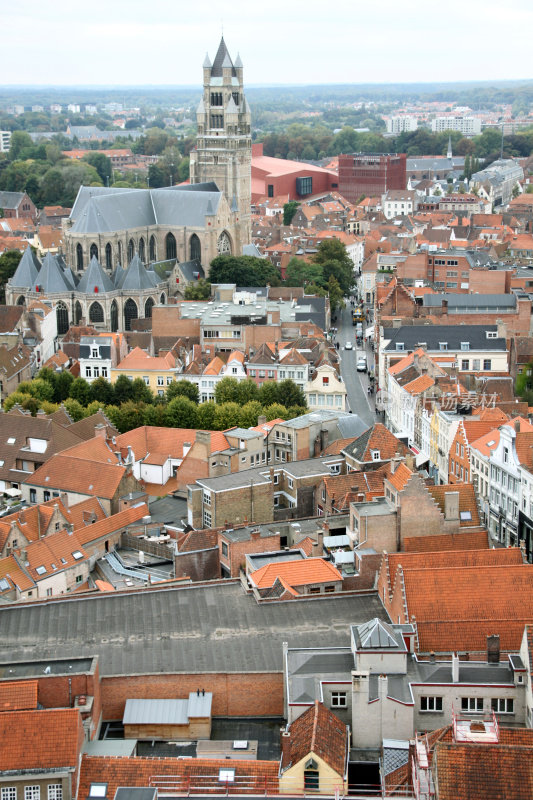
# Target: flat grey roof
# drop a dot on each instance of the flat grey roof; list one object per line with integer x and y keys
{"x": 190, "y": 629}
{"x": 51, "y": 666}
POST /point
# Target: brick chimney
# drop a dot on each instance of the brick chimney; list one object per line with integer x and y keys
{"x": 100, "y": 431}
{"x": 261, "y": 419}
{"x": 493, "y": 649}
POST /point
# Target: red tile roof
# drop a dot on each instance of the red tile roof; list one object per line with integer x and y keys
{"x": 317, "y": 731}
{"x": 90, "y": 533}
{"x": 18, "y": 695}
{"x": 40, "y": 739}
{"x": 400, "y": 476}
{"x": 467, "y": 501}
{"x": 296, "y": 573}
{"x": 477, "y": 540}
{"x": 260, "y": 777}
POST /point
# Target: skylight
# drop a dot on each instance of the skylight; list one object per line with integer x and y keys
{"x": 465, "y": 515}
{"x": 11, "y": 440}
{"x": 40, "y": 570}
{"x": 98, "y": 790}
{"x": 77, "y": 555}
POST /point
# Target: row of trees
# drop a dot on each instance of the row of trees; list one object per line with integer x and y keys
{"x": 309, "y": 143}
{"x": 130, "y": 404}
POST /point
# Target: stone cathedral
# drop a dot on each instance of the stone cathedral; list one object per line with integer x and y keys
{"x": 137, "y": 247}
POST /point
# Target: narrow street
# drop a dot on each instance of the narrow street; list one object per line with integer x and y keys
{"x": 357, "y": 383}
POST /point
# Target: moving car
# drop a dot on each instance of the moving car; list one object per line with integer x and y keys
{"x": 348, "y": 346}
{"x": 361, "y": 364}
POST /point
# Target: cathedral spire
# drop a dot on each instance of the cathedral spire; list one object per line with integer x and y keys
{"x": 222, "y": 59}
{"x": 449, "y": 154}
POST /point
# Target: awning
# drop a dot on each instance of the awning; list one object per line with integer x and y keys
{"x": 369, "y": 331}
{"x": 12, "y": 492}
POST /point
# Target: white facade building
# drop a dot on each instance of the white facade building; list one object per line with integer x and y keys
{"x": 467, "y": 126}
{"x": 401, "y": 124}
{"x": 5, "y": 141}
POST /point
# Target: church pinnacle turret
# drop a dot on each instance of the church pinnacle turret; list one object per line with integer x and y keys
{"x": 449, "y": 154}
{"x": 223, "y": 151}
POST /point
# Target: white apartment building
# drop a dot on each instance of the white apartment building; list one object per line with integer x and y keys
{"x": 401, "y": 124}
{"x": 480, "y": 452}
{"x": 5, "y": 141}
{"x": 399, "y": 202}
{"x": 505, "y": 483}
{"x": 467, "y": 126}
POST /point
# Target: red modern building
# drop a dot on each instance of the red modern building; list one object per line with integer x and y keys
{"x": 276, "y": 177}
{"x": 371, "y": 174}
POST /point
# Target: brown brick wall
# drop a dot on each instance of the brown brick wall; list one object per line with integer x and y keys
{"x": 166, "y": 322}
{"x": 234, "y": 695}
{"x": 201, "y": 565}
{"x": 237, "y": 551}
{"x": 237, "y": 506}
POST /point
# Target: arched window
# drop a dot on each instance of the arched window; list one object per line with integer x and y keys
{"x": 79, "y": 257}
{"x": 162, "y": 299}
{"x": 114, "y": 316}
{"x": 224, "y": 244}
{"x": 195, "y": 248}
{"x": 21, "y": 300}
{"x": 78, "y": 313}
{"x": 170, "y": 243}
{"x": 108, "y": 256}
{"x": 152, "y": 249}
{"x": 93, "y": 251}
{"x": 131, "y": 250}
{"x": 148, "y": 307}
{"x": 96, "y": 312}
{"x": 142, "y": 250}
{"x": 62, "y": 318}
{"x": 130, "y": 312}
{"x": 119, "y": 250}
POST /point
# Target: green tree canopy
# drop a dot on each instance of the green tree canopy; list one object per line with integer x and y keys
{"x": 199, "y": 290}
{"x": 226, "y": 416}
{"x": 226, "y": 390}
{"x": 80, "y": 391}
{"x": 301, "y": 273}
{"x": 9, "y": 262}
{"x": 182, "y": 413}
{"x": 244, "y": 271}
{"x": 182, "y": 388}
{"x": 289, "y": 210}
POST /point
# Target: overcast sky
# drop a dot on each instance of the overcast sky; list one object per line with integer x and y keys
{"x": 136, "y": 42}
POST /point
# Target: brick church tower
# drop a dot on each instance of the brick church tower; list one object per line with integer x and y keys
{"x": 223, "y": 151}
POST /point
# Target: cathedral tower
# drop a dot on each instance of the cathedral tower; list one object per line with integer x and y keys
{"x": 223, "y": 151}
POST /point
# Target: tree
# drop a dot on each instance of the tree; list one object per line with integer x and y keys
{"x": 52, "y": 187}
{"x": 183, "y": 388}
{"x": 9, "y": 262}
{"x": 226, "y": 416}
{"x": 62, "y": 386}
{"x": 141, "y": 393}
{"x": 74, "y": 409}
{"x": 333, "y": 257}
{"x": 199, "y": 290}
{"x": 19, "y": 141}
{"x": 296, "y": 411}
{"x": 102, "y": 165}
{"x": 301, "y": 273}
{"x": 244, "y": 271}
{"x": 275, "y": 411}
{"x": 182, "y": 413}
{"x": 206, "y": 416}
{"x": 268, "y": 393}
{"x": 38, "y": 388}
{"x": 80, "y": 391}
{"x": 226, "y": 390}
{"x": 247, "y": 391}
{"x": 123, "y": 389}
{"x": 290, "y": 394}
{"x": 155, "y": 414}
{"x": 102, "y": 391}
{"x": 130, "y": 415}
{"x": 336, "y": 299}
{"x": 289, "y": 210}
{"x": 14, "y": 398}
{"x": 249, "y": 414}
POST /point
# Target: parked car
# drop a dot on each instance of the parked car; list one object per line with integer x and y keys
{"x": 361, "y": 364}
{"x": 348, "y": 346}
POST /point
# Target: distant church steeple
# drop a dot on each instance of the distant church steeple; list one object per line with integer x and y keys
{"x": 449, "y": 154}
{"x": 223, "y": 151}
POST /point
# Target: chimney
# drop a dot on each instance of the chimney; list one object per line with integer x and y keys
{"x": 455, "y": 668}
{"x": 316, "y": 448}
{"x": 517, "y": 425}
{"x": 318, "y": 548}
{"x": 451, "y": 506}
{"x": 100, "y": 431}
{"x": 493, "y": 649}
{"x": 261, "y": 419}
{"x": 255, "y": 535}
{"x": 285, "y": 746}
{"x": 395, "y": 462}
{"x": 410, "y": 461}
{"x": 204, "y": 438}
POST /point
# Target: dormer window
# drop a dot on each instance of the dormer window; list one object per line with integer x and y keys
{"x": 465, "y": 345}
{"x": 376, "y": 455}
{"x": 94, "y": 352}
{"x": 492, "y": 334}
{"x": 443, "y": 345}
{"x": 400, "y": 346}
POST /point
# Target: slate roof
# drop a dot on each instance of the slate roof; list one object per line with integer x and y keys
{"x": 26, "y": 273}
{"x": 222, "y": 58}
{"x": 488, "y": 303}
{"x": 432, "y": 335}
{"x": 108, "y": 210}
{"x": 213, "y": 628}
{"x": 136, "y": 276}
{"x": 11, "y": 199}
{"x": 317, "y": 731}
{"x": 94, "y": 278}
{"x": 378, "y": 437}
{"x": 51, "y": 276}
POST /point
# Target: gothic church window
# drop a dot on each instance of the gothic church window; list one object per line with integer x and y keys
{"x": 142, "y": 253}
{"x": 108, "y": 256}
{"x": 62, "y": 318}
{"x": 131, "y": 250}
{"x": 170, "y": 243}
{"x": 94, "y": 251}
{"x": 79, "y": 257}
{"x": 152, "y": 249}
{"x": 196, "y": 248}
{"x": 224, "y": 244}
{"x": 130, "y": 312}
{"x": 96, "y": 312}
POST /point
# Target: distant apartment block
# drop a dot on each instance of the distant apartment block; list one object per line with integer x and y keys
{"x": 5, "y": 141}
{"x": 370, "y": 174}
{"x": 468, "y": 126}
{"x": 401, "y": 124}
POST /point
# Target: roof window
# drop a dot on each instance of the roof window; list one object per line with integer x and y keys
{"x": 77, "y": 555}
{"x": 40, "y": 570}
{"x": 11, "y": 440}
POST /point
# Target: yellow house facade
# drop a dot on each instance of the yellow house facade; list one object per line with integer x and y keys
{"x": 157, "y": 373}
